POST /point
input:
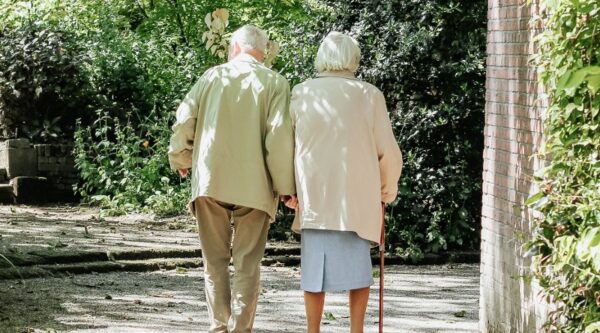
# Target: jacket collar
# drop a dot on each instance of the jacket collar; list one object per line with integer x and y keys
{"x": 245, "y": 57}
{"x": 343, "y": 74}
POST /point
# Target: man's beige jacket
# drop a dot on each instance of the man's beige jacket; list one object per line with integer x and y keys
{"x": 234, "y": 131}
{"x": 347, "y": 158}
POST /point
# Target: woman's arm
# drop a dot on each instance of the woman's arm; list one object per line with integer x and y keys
{"x": 388, "y": 152}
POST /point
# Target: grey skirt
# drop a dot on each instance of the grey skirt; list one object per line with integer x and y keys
{"x": 334, "y": 261}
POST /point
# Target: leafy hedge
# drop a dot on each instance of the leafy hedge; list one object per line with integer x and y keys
{"x": 140, "y": 57}
{"x": 428, "y": 58}
{"x": 567, "y": 237}
{"x": 41, "y": 91}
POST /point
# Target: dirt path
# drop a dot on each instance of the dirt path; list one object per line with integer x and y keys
{"x": 418, "y": 299}
{"x": 50, "y": 239}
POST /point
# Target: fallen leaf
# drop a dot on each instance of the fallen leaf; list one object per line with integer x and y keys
{"x": 329, "y": 316}
{"x": 460, "y": 314}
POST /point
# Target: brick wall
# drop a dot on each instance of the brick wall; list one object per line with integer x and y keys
{"x": 513, "y": 126}
{"x": 57, "y": 164}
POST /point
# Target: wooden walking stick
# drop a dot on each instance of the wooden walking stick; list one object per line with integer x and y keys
{"x": 381, "y": 266}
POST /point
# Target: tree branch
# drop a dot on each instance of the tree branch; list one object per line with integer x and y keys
{"x": 179, "y": 21}
{"x": 142, "y": 9}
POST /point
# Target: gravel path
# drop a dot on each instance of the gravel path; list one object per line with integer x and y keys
{"x": 418, "y": 299}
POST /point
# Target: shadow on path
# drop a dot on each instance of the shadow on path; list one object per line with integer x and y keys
{"x": 418, "y": 299}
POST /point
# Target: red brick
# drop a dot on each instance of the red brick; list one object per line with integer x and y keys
{"x": 511, "y": 73}
{"x": 511, "y": 12}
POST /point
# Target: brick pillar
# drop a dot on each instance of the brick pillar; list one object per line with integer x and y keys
{"x": 513, "y": 126}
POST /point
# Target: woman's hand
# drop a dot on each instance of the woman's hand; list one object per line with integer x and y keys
{"x": 290, "y": 201}
{"x": 183, "y": 172}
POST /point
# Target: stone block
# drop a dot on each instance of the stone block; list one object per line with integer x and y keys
{"x": 18, "y": 161}
{"x": 3, "y": 176}
{"x": 6, "y": 194}
{"x": 29, "y": 190}
{"x": 17, "y": 143}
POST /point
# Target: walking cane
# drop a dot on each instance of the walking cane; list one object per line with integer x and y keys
{"x": 381, "y": 266}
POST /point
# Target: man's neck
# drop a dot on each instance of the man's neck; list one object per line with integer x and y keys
{"x": 259, "y": 56}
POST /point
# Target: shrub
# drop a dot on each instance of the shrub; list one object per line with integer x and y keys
{"x": 140, "y": 69}
{"x": 426, "y": 56}
{"x": 428, "y": 59}
{"x": 41, "y": 85}
{"x": 124, "y": 169}
{"x": 566, "y": 240}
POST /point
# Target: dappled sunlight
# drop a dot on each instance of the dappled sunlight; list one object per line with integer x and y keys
{"x": 417, "y": 299}
{"x": 513, "y": 135}
{"x": 27, "y": 230}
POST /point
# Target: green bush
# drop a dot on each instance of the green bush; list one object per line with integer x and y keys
{"x": 140, "y": 64}
{"x": 428, "y": 58}
{"x": 566, "y": 240}
{"x": 123, "y": 169}
{"x": 42, "y": 88}
{"x": 141, "y": 57}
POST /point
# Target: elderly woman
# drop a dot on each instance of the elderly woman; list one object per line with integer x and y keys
{"x": 347, "y": 163}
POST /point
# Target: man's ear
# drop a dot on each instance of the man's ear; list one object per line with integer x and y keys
{"x": 234, "y": 50}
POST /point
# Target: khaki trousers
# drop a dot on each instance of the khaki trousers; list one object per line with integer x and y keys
{"x": 231, "y": 308}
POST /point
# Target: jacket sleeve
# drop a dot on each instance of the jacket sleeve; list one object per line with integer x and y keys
{"x": 181, "y": 143}
{"x": 388, "y": 152}
{"x": 279, "y": 141}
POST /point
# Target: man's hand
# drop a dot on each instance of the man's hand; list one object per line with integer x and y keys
{"x": 290, "y": 201}
{"x": 183, "y": 172}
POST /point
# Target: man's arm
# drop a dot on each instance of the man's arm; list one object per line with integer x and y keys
{"x": 181, "y": 143}
{"x": 279, "y": 141}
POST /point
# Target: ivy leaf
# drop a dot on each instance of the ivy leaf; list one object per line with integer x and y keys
{"x": 563, "y": 81}
{"x": 593, "y": 327}
{"x": 594, "y": 83}
{"x": 564, "y": 251}
{"x": 569, "y": 109}
{"x": 576, "y": 79}
{"x": 591, "y": 70}
{"x": 534, "y": 198}
{"x": 588, "y": 246}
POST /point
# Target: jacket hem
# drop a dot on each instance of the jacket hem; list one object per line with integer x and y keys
{"x": 269, "y": 211}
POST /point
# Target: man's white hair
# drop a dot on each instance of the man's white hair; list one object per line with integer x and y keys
{"x": 338, "y": 52}
{"x": 249, "y": 38}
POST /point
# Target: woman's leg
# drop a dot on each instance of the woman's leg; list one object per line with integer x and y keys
{"x": 359, "y": 298}
{"x": 313, "y": 305}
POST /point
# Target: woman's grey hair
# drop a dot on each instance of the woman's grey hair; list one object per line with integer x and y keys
{"x": 338, "y": 52}
{"x": 250, "y": 37}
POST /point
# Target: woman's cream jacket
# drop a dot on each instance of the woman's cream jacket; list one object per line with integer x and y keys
{"x": 347, "y": 159}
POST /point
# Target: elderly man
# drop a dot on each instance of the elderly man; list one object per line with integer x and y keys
{"x": 234, "y": 131}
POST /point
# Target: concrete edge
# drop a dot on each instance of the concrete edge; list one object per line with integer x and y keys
{"x": 170, "y": 263}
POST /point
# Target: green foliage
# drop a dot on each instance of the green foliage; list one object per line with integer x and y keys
{"x": 566, "y": 239}
{"x": 140, "y": 61}
{"x": 40, "y": 83}
{"x": 123, "y": 170}
{"x": 428, "y": 58}
{"x": 139, "y": 57}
